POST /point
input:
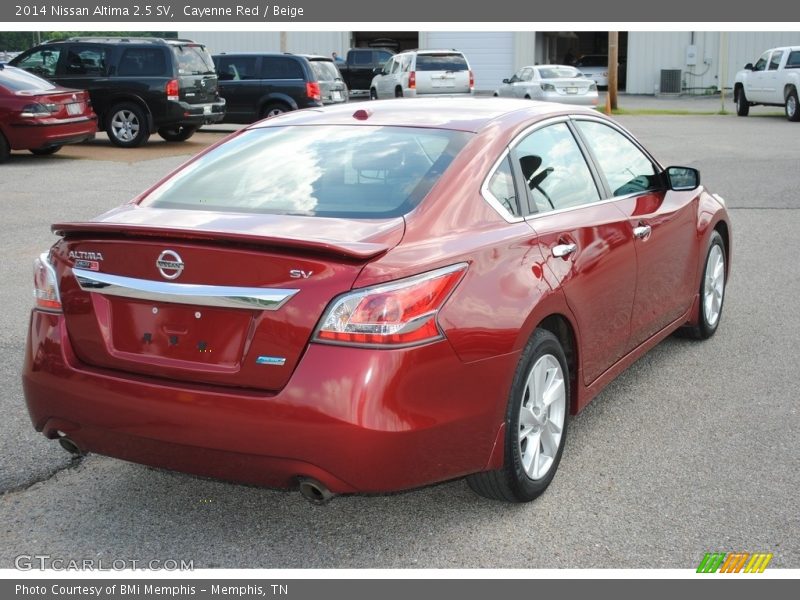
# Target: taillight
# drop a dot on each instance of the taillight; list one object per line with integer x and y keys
{"x": 312, "y": 90}
{"x": 38, "y": 110}
{"x": 401, "y": 313}
{"x": 471, "y": 79}
{"x": 412, "y": 80}
{"x": 548, "y": 87}
{"x": 173, "y": 91}
{"x": 45, "y": 285}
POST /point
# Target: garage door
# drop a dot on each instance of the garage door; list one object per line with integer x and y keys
{"x": 490, "y": 54}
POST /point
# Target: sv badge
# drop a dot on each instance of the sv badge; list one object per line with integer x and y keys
{"x": 300, "y": 274}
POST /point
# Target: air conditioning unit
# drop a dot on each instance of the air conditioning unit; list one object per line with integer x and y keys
{"x": 670, "y": 81}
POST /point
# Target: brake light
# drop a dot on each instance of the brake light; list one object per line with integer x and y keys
{"x": 401, "y": 313}
{"x": 173, "y": 91}
{"x": 312, "y": 90}
{"x": 45, "y": 285}
{"x": 471, "y": 80}
{"x": 412, "y": 80}
{"x": 38, "y": 110}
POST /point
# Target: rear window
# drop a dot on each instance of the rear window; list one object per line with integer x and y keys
{"x": 358, "y": 172}
{"x": 325, "y": 70}
{"x": 17, "y": 80}
{"x": 193, "y": 59}
{"x": 592, "y": 61}
{"x": 559, "y": 73}
{"x": 442, "y": 62}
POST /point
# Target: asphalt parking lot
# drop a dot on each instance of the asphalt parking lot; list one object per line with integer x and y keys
{"x": 695, "y": 449}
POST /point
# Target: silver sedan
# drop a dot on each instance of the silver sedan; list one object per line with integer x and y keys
{"x": 552, "y": 83}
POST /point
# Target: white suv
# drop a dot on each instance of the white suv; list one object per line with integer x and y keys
{"x": 423, "y": 73}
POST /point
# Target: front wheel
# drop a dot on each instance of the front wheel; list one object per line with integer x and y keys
{"x": 373, "y": 94}
{"x": 178, "y": 133}
{"x": 712, "y": 291}
{"x": 792, "y": 110}
{"x": 536, "y": 424}
{"x": 5, "y": 149}
{"x": 742, "y": 105}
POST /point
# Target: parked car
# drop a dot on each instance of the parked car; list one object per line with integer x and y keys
{"x": 359, "y": 68}
{"x": 773, "y": 81}
{"x": 552, "y": 83}
{"x": 373, "y": 299}
{"x": 257, "y": 85}
{"x": 41, "y": 117}
{"x": 138, "y": 86}
{"x": 595, "y": 66}
{"x": 423, "y": 73}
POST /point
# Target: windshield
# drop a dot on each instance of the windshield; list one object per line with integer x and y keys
{"x": 325, "y": 70}
{"x": 193, "y": 60}
{"x": 441, "y": 62}
{"x": 19, "y": 80}
{"x": 358, "y": 172}
{"x": 559, "y": 73}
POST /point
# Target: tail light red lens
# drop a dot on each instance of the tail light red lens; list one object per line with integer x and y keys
{"x": 45, "y": 285}
{"x": 471, "y": 80}
{"x": 401, "y": 313}
{"x": 312, "y": 90}
{"x": 173, "y": 91}
{"x": 412, "y": 80}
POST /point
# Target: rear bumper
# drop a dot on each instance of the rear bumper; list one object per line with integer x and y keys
{"x": 183, "y": 113}
{"x": 51, "y": 132}
{"x": 417, "y": 94}
{"x": 355, "y": 419}
{"x": 588, "y": 99}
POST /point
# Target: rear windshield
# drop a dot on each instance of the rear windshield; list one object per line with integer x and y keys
{"x": 325, "y": 70}
{"x": 442, "y": 62}
{"x": 18, "y": 80}
{"x": 592, "y": 61}
{"x": 559, "y": 73}
{"x": 358, "y": 172}
{"x": 193, "y": 59}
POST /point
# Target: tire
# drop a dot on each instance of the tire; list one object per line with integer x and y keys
{"x": 373, "y": 94}
{"x": 792, "y": 107}
{"x": 127, "y": 126}
{"x": 712, "y": 291}
{"x": 398, "y": 92}
{"x": 542, "y": 372}
{"x": 742, "y": 105}
{"x": 177, "y": 133}
{"x": 273, "y": 109}
{"x": 45, "y": 151}
{"x": 5, "y": 149}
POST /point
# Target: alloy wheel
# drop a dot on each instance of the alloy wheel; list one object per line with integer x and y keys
{"x": 714, "y": 286}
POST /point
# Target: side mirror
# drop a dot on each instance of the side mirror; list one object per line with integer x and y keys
{"x": 506, "y": 81}
{"x": 683, "y": 178}
{"x": 377, "y": 71}
{"x": 749, "y": 66}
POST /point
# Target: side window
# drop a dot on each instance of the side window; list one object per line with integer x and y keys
{"x": 761, "y": 63}
{"x": 142, "y": 62}
{"x": 279, "y": 67}
{"x": 360, "y": 59}
{"x": 237, "y": 68}
{"x": 501, "y": 187}
{"x": 42, "y": 62}
{"x": 775, "y": 61}
{"x": 527, "y": 74}
{"x": 85, "y": 60}
{"x": 793, "y": 62}
{"x": 395, "y": 66}
{"x": 381, "y": 56}
{"x": 555, "y": 169}
{"x": 626, "y": 168}
{"x": 387, "y": 66}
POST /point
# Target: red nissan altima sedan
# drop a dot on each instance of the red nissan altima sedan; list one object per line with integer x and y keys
{"x": 371, "y": 299}
{"x": 41, "y": 117}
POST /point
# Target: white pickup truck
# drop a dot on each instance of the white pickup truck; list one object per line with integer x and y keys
{"x": 773, "y": 81}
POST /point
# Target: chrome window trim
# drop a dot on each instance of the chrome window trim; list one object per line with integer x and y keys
{"x": 183, "y": 293}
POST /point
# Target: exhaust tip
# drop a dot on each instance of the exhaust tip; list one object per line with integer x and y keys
{"x": 314, "y": 491}
{"x": 70, "y": 446}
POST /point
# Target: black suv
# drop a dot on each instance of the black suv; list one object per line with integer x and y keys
{"x": 137, "y": 85}
{"x": 257, "y": 85}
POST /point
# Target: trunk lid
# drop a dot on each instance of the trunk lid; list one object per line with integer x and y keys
{"x": 232, "y": 301}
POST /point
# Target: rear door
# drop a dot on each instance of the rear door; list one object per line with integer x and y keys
{"x": 588, "y": 244}
{"x": 331, "y": 84}
{"x": 442, "y": 73}
{"x": 283, "y": 78}
{"x": 241, "y": 86}
{"x": 773, "y": 90}
{"x": 662, "y": 222}
{"x": 197, "y": 79}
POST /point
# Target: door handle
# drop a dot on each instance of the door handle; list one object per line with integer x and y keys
{"x": 564, "y": 250}
{"x": 642, "y": 231}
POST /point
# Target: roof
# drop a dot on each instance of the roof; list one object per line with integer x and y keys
{"x": 464, "y": 114}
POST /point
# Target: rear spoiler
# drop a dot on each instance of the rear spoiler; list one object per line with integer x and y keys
{"x": 352, "y": 250}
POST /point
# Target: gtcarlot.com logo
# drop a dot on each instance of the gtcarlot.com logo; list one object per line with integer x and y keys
{"x": 734, "y": 562}
{"x": 42, "y": 562}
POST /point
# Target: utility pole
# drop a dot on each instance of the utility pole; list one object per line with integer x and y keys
{"x": 613, "y": 67}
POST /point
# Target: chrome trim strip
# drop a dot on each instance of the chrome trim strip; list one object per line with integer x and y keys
{"x": 183, "y": 293}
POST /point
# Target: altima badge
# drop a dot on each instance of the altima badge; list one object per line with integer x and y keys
{"x": 169, "y": 264}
